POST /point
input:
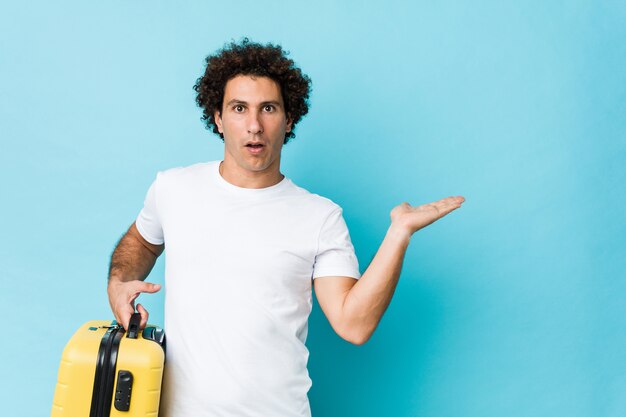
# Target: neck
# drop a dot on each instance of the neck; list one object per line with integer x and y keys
{"x": 250, "y": 179}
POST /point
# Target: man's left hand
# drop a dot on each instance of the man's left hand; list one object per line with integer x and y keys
{"x": 409, "y": 219}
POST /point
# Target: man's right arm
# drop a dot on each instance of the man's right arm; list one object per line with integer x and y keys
{"x": 131, "y": 262}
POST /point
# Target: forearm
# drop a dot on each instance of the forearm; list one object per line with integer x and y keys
{"x": 131, "y": 259}
{"x": 368, "y": 299}
{"x": 131, "y": 262}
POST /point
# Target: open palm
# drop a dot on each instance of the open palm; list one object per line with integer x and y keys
{"x": 415, "y": 218}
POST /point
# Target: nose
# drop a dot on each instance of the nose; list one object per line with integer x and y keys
{"x": 254, "y": 123}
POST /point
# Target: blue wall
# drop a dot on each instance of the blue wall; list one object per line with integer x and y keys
{"x": 513, "y": 305}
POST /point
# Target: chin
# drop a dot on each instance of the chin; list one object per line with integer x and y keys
{"x": 257, "y": 167}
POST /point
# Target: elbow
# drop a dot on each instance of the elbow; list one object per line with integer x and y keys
{"x": 357, "y": 338}
{"x": 358, "y": 341}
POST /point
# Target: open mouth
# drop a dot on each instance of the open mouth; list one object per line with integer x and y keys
{"x": 255, "y": 148}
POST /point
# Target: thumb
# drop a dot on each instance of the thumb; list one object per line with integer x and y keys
{"x": 144, "y": 316}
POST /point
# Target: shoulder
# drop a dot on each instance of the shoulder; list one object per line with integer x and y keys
{"x": 315, "y": 202}
{"x": 186, "y": 171}
{"x": 185, "y": 179}
{"x": 178, "y": 175}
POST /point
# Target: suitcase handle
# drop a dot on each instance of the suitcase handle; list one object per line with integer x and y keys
{"x": 133, "y": 326}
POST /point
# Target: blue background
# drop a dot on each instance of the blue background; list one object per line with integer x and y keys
{"x": 513, "y": 305}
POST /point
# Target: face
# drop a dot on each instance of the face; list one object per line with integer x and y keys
{"x": 253, "y": 122}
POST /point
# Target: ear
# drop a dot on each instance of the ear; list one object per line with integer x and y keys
{"x": 289, "y": 123}
{"x": 217, "y": 116}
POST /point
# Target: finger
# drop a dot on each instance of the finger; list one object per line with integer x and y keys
{"x": 455, "y": 201}
{"x": 144, "y": 316}
{"x": 447, "y": 205}
{"x": 141, "y": 286}
{"x": 445, "y": 202}
{"x": 452, "y": 200}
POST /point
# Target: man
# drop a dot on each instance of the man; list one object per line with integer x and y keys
{"x": 245, "y": 246}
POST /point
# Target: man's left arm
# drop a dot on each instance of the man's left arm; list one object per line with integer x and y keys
{"x": 354, "y": 307}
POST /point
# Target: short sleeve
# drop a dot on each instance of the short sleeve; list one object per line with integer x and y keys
{"x": 335, "y": 254}
{"x": 147, "y": 222}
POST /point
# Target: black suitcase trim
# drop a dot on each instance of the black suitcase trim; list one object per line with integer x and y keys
{"x": 105, "y": 372}
{"x": 106, "y": 362}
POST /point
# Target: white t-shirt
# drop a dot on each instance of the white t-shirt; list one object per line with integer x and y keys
{"x": 239, "y": 265}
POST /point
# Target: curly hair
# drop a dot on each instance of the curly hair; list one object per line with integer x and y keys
{"x": 255, "y": 59}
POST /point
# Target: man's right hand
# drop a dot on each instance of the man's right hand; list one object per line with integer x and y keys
{"x": 122, "y": 296}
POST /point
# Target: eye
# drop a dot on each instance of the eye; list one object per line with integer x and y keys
{"x": 238, "y": 108}
{"x": 269, "y": 108}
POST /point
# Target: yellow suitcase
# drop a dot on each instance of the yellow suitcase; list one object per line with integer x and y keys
{"x": 106, "y": 372}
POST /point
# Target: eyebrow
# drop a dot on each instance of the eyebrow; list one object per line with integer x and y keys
{"x": 263, "y": 103}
